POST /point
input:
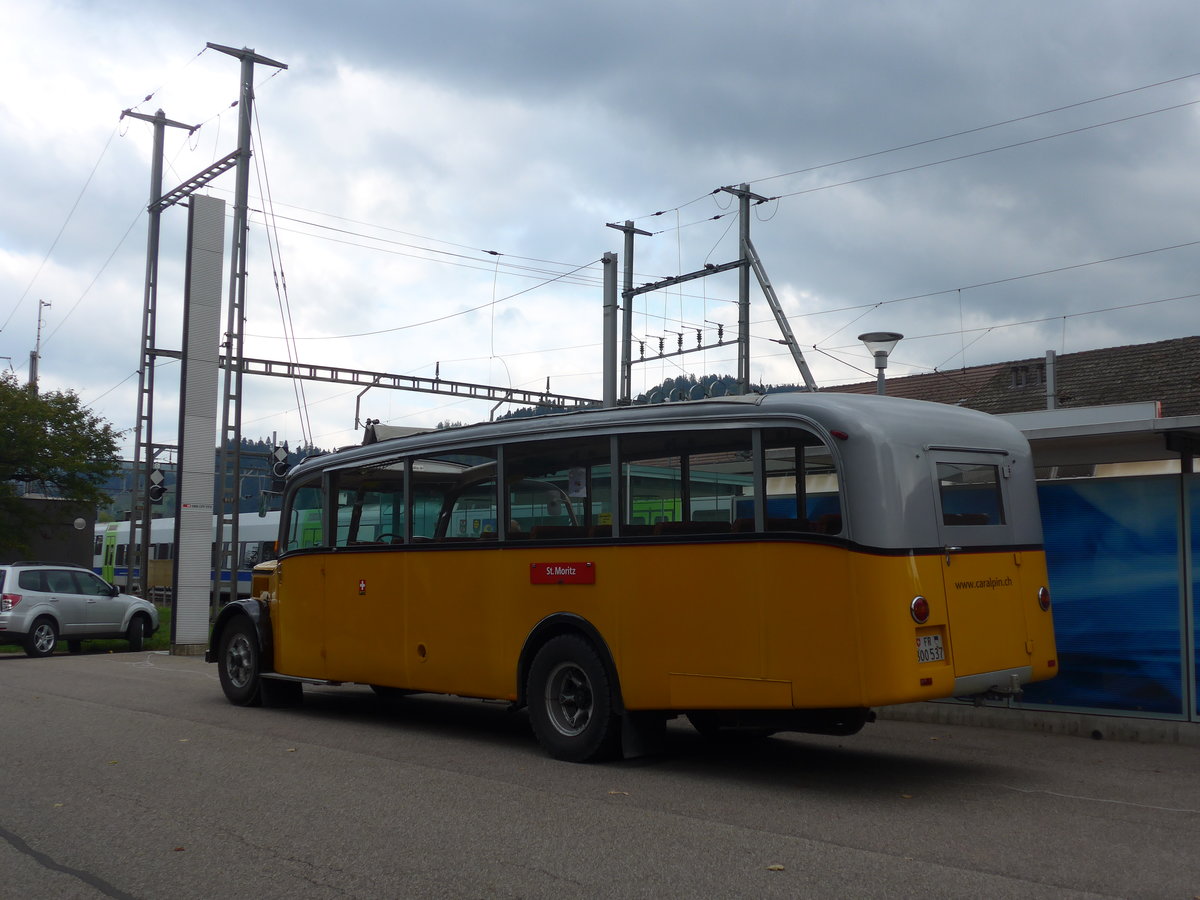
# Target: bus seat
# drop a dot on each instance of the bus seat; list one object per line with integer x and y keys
{"x": 637, "y": 530}
{"x": 788, "y": 525}
{"x": 965, "y": 519}
{"x": 830, "y": 523}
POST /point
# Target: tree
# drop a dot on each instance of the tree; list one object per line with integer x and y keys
{"x": 53, "y": 444}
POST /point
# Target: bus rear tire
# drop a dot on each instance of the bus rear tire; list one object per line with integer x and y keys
{"x": 571, "y": 702}
{"x": 238, "y": 663}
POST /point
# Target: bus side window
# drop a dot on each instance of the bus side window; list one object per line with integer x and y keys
{"x": 472, "y": 513}
{"x": 802, "y": 485}
{"x": 305, "y": 516}
{"x": 559, "y": 489}
{"x": 703, "y": 487}
{"x": 720, "y": 483}
{"x": 454, "y": 496}
{"x": 370, "y": 505}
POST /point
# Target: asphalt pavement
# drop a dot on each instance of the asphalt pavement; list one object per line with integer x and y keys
{"x": 128, "y": 775}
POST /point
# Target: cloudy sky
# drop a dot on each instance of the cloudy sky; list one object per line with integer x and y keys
{"x": 432, "y": 182}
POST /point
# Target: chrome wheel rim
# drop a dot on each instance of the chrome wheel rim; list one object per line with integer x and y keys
{"x": 43, "y": 638}
{"x": 239, "y": 661}
{"x": 569, "y": 702}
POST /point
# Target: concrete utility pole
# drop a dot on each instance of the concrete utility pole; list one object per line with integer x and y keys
{"x": 626, "y": 388}
{"x": 744, "y": 197}
{"x": 610, "y": 329}
{"x": 139, "y": 501}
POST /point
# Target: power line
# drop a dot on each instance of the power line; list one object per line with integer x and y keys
{"x": 983, "y": 330}
{"x": 921, "y": 143}
{"x": 977, "y": 129}
{"x": 981, "y": 284}
{"x": 454, "y": 315}
{"x": 70, "y": 214}
{"x": 950, "y": 159}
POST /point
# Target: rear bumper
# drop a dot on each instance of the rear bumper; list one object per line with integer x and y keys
{"x": 1002, "y": 681}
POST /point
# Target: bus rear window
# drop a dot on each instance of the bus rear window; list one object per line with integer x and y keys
{"x": 970, "y": 494}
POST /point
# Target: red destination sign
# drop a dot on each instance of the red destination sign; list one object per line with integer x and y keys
{"x": 562, "y": 573}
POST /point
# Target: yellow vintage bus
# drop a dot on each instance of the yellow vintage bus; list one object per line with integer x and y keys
{"x": 762, "y": 563}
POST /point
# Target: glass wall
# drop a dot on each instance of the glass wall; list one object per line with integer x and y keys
{"x": 1112, "y": 547}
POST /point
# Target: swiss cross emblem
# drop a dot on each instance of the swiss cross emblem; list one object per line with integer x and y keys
{"x": 362, "y": 585}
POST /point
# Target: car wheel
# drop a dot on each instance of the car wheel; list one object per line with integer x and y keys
{"x": 238, "y": 663}
{"x": 136, "y": 635}
{"x": 41, "y": 638}
{"x": 571, "y": 702}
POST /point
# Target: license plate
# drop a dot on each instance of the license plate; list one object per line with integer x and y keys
{"x": 929, "y": 648}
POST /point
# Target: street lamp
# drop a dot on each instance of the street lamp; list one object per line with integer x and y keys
{"x": 880, "y": 343}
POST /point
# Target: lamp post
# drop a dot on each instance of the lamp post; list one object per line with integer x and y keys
{"x": 881, "y": 344}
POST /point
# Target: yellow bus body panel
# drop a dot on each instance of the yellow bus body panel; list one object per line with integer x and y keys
{"x": 734, "y": 625}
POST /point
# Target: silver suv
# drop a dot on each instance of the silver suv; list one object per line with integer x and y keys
{"x": 43, "y": 602}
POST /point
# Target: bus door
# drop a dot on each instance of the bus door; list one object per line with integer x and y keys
{"x": 364, "y": 576}
{"x": 980, "y": 568}
{"x": 298, "y": 612}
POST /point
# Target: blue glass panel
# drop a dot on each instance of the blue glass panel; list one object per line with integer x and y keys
{"x": 1112, "y": 551}
{"x": 1194, "y": 506}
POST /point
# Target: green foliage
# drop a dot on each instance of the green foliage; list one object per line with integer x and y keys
{"x": 54, "y": 445}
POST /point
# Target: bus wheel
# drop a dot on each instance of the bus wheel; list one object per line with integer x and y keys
{"x": 238, "y": 663}
{"x": 571, "y": 702}
{"x": 41, "y": 638}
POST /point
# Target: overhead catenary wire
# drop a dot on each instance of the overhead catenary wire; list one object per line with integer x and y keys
{"x": 910, "y": 338}
{"x": 453, "y": 315}
{"x": 985, "y": 152}
{"x": 281, "y": 294}
{"x": 964, "y": 132}
{"x": 62, "y": 228}
{"x": 681, "y": 226}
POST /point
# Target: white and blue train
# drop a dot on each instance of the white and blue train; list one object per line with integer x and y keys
{"x": 257, "y": 537}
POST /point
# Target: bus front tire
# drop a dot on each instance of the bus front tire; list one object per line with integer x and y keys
{"x": 239, "y": 663}
{"x": 571, "y": 702}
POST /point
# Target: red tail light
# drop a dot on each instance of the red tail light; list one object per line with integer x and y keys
{"x": 1044, "y": 598}
{"x": 8, "y": 601}
{"x": 919, "y": 608}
